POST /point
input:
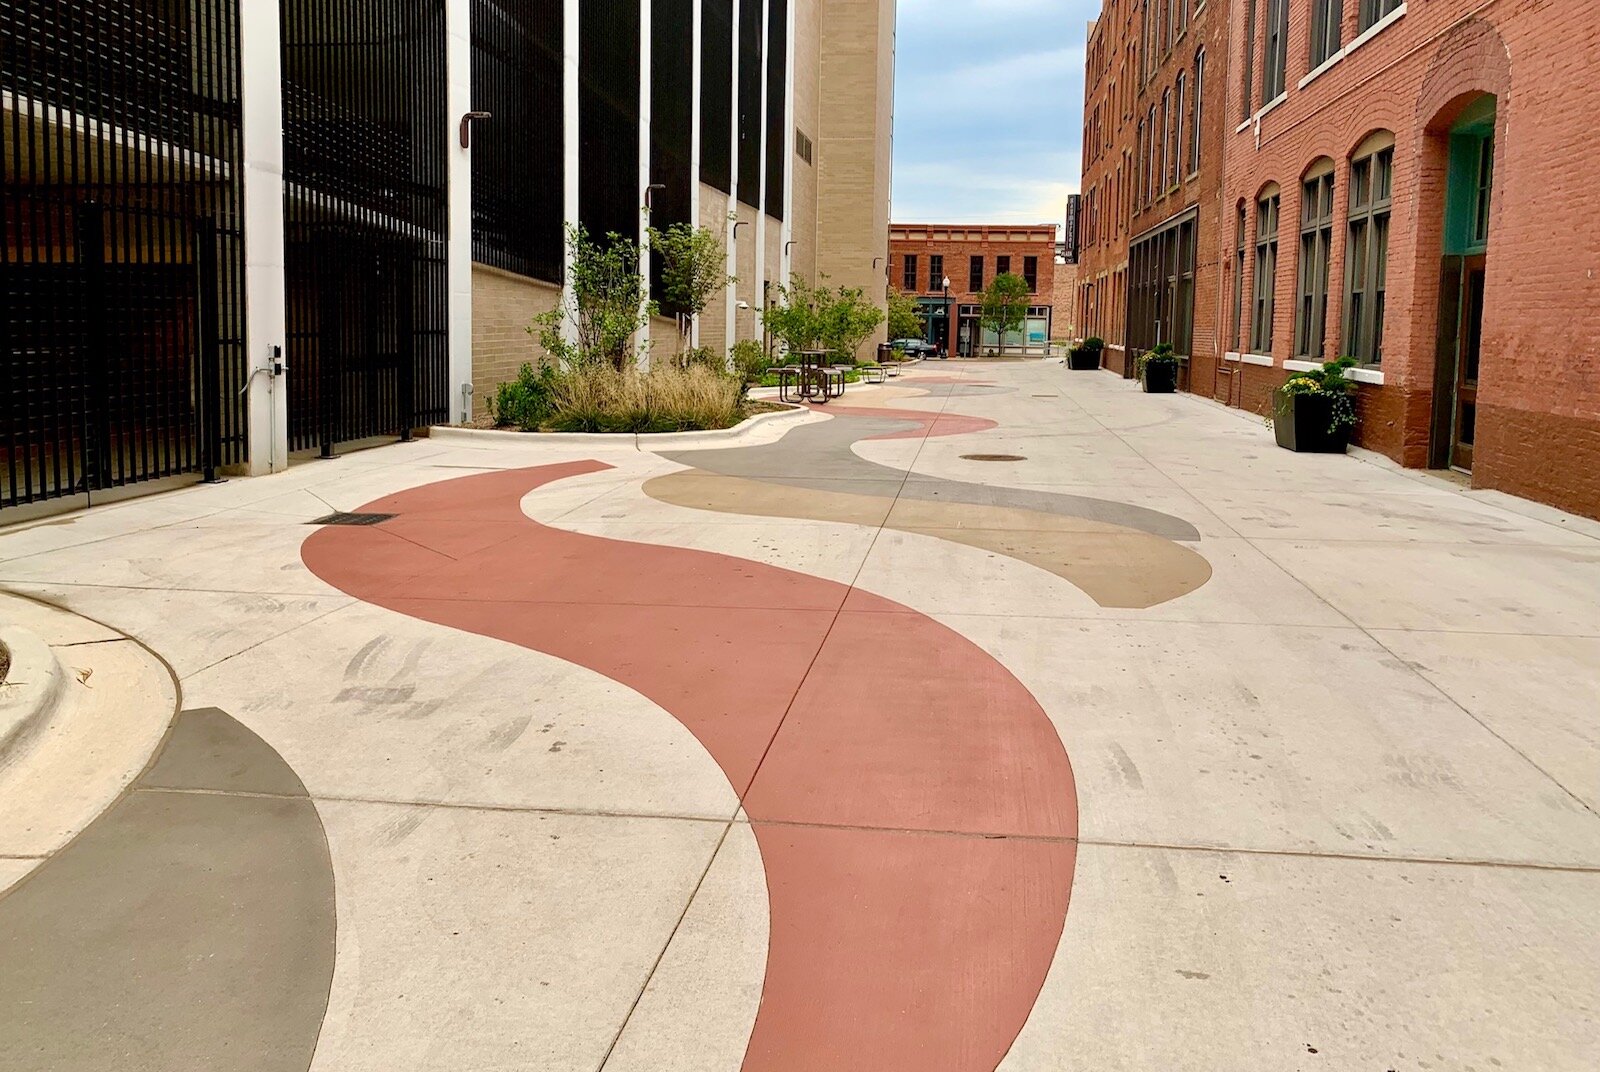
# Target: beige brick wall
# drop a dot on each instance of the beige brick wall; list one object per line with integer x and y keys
{"x": 503, "y": 306}
{"x": 855, "y": 144}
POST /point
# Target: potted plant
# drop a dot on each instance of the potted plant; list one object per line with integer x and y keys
{"x": 1315, "y": 411}
{"x": 1085, "y": 356}
{"x": 1158, "y": 370}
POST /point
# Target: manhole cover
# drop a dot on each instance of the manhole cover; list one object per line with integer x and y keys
{"x": 994, "y": 457}
{"x": 351, "y": 519}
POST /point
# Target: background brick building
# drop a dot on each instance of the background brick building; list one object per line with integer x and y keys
{"x": 1110, "y": 77}
{"x": 1392, "y": 210}
{"x": 922, "y": 255}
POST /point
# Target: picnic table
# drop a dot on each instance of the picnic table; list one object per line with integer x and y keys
{"x": 811, "y": 380}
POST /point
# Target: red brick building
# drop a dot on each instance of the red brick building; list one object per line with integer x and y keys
{"x": 1152, "y": 183}
{"x": 922, "y": 256}
{"x": 1405, "y": 183}
{"x": 1110, "y": 90}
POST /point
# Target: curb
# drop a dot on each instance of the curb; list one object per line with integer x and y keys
{"x": 31, "y": 690}
{"x": 625, "y": 440}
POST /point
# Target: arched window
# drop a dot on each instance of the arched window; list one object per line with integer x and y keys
{"x": 1199, "y": 108}
{"x": 1367, "y": 247}
{"x": 1238, "y": 279}
{"x": 1166, "y": 140}
{"x": 1150, "y": 162}
{"x": 1179, "y": 126}
{"x": 1316, "y": 254}
{"x": 1266, "y": 269}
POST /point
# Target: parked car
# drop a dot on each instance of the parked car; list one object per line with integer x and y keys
{"x": 915, "y": 347}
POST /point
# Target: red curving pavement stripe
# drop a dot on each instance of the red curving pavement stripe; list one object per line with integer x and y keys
{"x": 873, "y": 748}
{"x": 928, "y": 424}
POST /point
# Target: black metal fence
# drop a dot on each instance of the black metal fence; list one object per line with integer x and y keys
{"x": 517, "y": 173}
{"x": 365, "y": 142}
{"x": 122, "y": 354}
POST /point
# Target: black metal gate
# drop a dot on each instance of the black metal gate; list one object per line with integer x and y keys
{"x": 365, "y": 144}
{"x": 121, "y": 357}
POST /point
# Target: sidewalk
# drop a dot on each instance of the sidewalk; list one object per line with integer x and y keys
{"x": 1147, "y": 746}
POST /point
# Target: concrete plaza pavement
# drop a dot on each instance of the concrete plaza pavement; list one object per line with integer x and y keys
{"x": 613, "y": 776}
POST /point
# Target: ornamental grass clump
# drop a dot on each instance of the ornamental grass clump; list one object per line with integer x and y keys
{"x": 598, "y": 398}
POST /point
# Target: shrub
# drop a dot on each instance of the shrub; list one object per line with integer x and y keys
{"x": 1095, "y": 344}
{"x": 750, "y": 361}
{"x": 524, "y": 402}
{"x": 703, "y": 356}
{"x": 598, "y": 398}
{"x": 1162, "y": 355}
{"x": 1330, "y": 382}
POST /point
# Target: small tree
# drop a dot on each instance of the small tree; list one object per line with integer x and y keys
{"x": 904, "y": 322}
{"x": 1005, "y": 305}
{"x": 694, "y": 266}
{"x": 609, "y": 304}
{"x": 847, "y": 318}
{"x": 809, "y": 317}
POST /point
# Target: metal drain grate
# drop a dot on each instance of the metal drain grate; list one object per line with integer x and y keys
{"x": 994, "y": 457}
{"x": 352, "y": 519}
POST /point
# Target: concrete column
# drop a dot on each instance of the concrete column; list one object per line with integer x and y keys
{"x": 569, "y": 148}
{"x": 646, "y": 16}
{"x": 696, "y": 66}
{"x": 787, "y": 270}
{"x": 758, "y": 293}
{"x": 731, "y": 329}
{"x": 261, "y": 90}
{"x": 458, "y": 102}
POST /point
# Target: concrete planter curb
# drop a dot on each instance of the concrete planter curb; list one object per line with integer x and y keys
{"x": 31, "y": 689}
{"x": 761, "y": 422}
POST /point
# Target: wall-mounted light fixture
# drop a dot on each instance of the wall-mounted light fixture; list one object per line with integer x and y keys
{"x": 650, "y": 195}
{"x": 738, "y": 224}
{"x": 466, "y": 126}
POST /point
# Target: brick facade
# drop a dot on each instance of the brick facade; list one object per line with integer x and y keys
{"x": 1110, "y": 86}
{"x": 1064, "y": 303}
{"x": 1414, "y": 75}
{"x": 958, "y": 244}
{"x": 1417, "y": 78}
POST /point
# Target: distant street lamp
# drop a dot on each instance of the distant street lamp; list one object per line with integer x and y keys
{"x": 948, "y": 334}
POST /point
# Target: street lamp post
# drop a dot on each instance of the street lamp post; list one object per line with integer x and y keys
{"x": 949, "y": 333}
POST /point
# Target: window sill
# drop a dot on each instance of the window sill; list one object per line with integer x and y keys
{"x": 1376, "y": 28}
{"x": 1359, "y": 375}
{"x": 1269, "y": 106}
{"x": 1264, "y": 360}
{"x": 1322, "y": 68}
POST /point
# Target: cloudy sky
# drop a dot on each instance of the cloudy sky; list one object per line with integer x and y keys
{"x": 988, "y": 109}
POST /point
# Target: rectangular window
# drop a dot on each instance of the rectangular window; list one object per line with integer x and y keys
{"x": 975, "y": 275}
{"x": 1002, "y": 265}
{"x": 1367, "y": 254}
{"x": 1161, "y": 272}
{"x": 1266, "y": 274}
{"x": 1316, "y": 252}
{"x": 1030, "y": 273}
{"x": 1249, "y": 58}
{"x": 1275, "y": 51}
{"x": 1484, "y": 194}
{"x": 1373, "y": 10}
{"x": 908, "y": 276}
{"x": 1327, "y": 20}
{"x": 936, "y": 271}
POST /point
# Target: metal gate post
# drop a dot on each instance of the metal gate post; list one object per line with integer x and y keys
{"x": 91, "y": 260}
{"x": 209, "y": 372}
{"x": 406, "y": 347}
{"x": 330, "y": 333}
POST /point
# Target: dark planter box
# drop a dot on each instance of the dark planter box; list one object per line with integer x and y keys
{"x": 1160, "y": 379}
{"x": 1303, "y": 423}
{"x": 1083, "y": 360}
